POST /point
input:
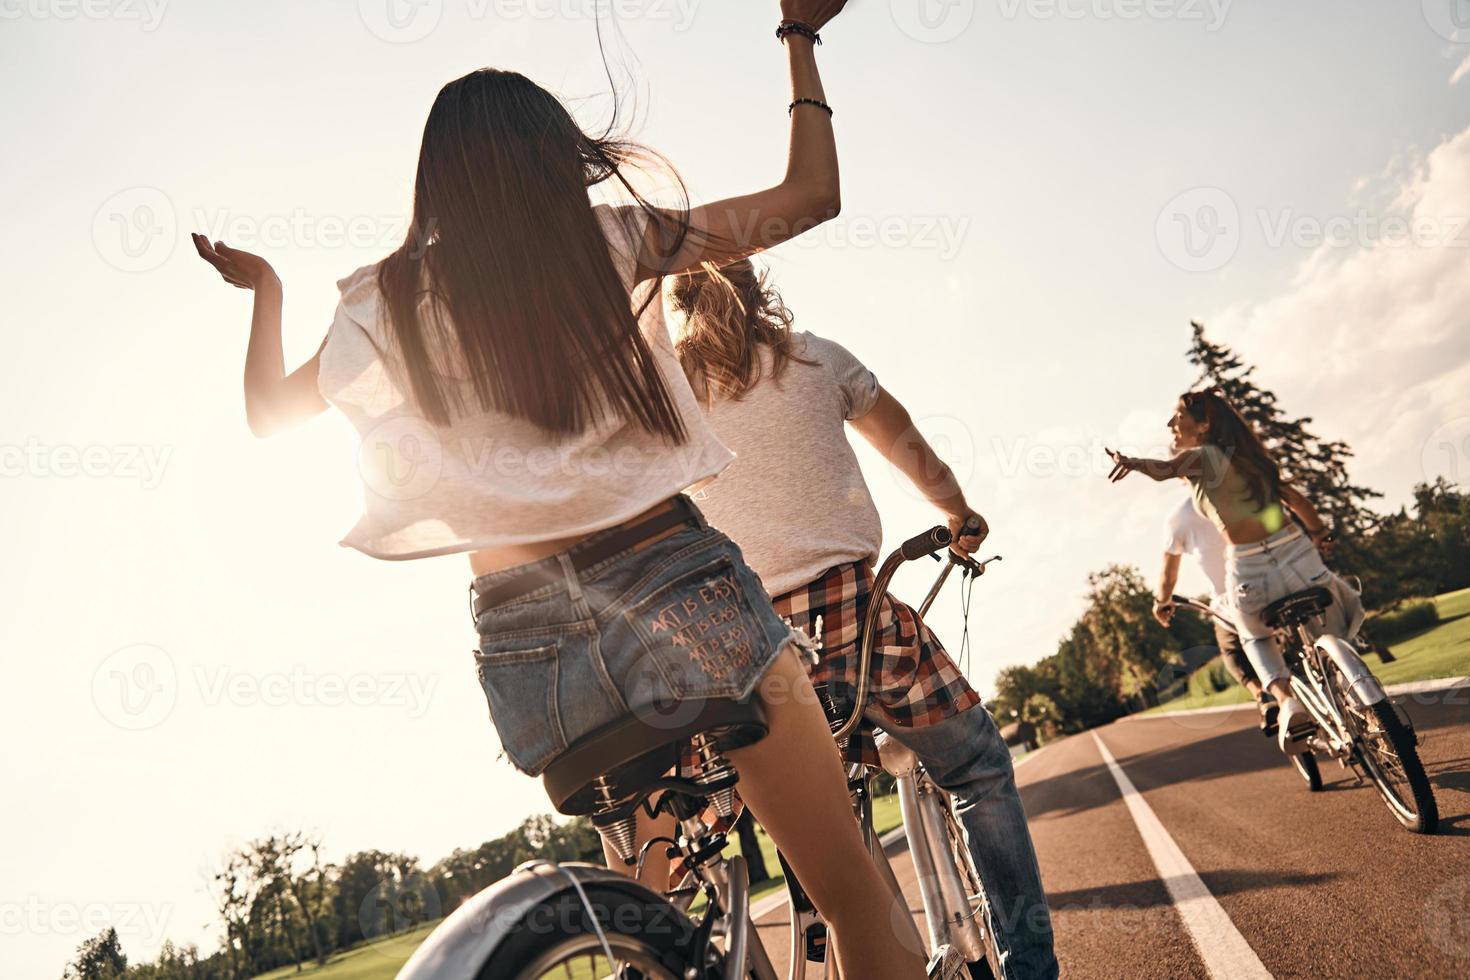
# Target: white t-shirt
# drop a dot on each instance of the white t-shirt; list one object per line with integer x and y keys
{"x": 1189, "y": 531}
{"x": 795, "y": 500}
{"x": 490, "y": 479}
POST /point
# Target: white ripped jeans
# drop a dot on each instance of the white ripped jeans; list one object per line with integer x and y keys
{"x": 1256, "y": 575}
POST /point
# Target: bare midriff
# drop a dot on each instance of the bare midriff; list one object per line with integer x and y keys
{"x": 495, "y": 559}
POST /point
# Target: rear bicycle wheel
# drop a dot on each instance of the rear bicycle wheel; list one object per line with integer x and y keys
{"x": 1388, "y": 751}
{"x": 987, "y": 968}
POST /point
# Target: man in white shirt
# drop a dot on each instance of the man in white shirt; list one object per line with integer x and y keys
{"x": 1189, "y": 532}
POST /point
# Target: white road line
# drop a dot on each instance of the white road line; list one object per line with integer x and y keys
{"x": 1224, "y": 951}
{"x": 1392, "y": 690}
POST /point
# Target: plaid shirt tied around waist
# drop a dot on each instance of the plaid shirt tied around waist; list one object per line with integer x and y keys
{"x": 912, "y": 681}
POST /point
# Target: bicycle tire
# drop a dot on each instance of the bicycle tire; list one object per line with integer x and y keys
{"x": 989, "y": 967}
{"x": 1424, "y": 818}
{"x": 1305, "y": 764}
{"x": 646, "y": 935}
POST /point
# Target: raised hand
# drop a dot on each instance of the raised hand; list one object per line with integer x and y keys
{"x": 241, "y": 269}
{"x": 813, "y": 13}
{"x": 1122, "y": 465}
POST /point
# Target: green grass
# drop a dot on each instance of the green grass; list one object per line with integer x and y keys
{"x": 378, "y": 960}
{"x": 381, "y": 960}
{"x": 1442, "y": 650}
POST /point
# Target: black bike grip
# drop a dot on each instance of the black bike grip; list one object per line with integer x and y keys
{"x": 925, "y": 544}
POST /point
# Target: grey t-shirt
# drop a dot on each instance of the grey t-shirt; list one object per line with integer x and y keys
{"x": 795, "y": 500}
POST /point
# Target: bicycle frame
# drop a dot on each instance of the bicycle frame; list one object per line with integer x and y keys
{"x": 1310, "y": 683}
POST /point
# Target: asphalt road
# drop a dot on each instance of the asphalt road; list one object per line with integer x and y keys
{"x": 1294, "y": 884}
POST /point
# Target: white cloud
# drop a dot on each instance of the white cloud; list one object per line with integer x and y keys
{"x": 1373, "y": 341}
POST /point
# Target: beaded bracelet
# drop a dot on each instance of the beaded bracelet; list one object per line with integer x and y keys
{"x": 816, "y": 102}
{"x": 788, "y": 27}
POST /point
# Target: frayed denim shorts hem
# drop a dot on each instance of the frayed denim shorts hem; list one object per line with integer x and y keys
{"x": 680, "y": 620}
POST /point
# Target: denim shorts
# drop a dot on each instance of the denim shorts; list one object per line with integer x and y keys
{"x": 636, "y": 634}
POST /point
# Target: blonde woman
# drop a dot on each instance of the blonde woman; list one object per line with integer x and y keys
{"x": 796, "y": 503}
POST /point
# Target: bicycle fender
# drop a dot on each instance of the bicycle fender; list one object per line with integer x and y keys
{"x": 464, "y": 941}
{"x": 1363, "y": 686}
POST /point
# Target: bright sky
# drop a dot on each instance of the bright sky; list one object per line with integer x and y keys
{"x": 1038, "y": 197}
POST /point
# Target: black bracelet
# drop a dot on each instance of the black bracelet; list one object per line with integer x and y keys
{"x": 787, "y": 27}
{"x": 816, "y": 102}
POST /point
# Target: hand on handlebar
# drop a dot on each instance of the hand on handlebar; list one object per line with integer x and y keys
{"x": 1164, "y": 611}
{"x": 969, "y": 531}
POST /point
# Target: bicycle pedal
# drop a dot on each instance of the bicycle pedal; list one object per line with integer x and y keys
{"x": 946, "y": 963}
{"x": 816, "y": 943}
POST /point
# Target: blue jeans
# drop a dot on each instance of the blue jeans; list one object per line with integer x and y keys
{"x": 648, "y": 632}
{"x": 967, "y": 757}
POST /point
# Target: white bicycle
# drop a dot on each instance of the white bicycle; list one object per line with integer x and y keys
{"x": 1357, "y": 724}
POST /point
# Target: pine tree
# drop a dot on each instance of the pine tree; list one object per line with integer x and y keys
{"x": 1316, "y": 467}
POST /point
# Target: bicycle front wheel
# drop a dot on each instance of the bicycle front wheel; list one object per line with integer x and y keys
{"x": 959, "y": 852}
{"x": 1388, "y": 751}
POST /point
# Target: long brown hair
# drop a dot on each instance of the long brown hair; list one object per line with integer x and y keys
{"x": 1226, "y": 428}
{"x": 730, "y": 313}
{"x": 505, "y": 243}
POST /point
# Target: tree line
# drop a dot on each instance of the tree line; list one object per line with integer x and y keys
{"x": 1116, "y": 657}
{"x": 281, "y": 904}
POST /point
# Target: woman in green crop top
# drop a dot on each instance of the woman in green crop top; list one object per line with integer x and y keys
{"x": 1238, "y": 486}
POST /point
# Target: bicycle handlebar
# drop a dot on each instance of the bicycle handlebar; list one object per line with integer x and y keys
{"x": 1188, "y": 603}
{"x": 914, "y": 548}
{"x": 926, "y": 544}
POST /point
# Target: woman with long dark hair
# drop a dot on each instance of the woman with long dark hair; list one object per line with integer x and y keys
{"x": 519, "y": 400}
{"x": 1238, "y": 486}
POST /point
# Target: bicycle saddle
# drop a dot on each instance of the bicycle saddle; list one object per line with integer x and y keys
{"x": 634, "y": 751}
{"x": 1297, "y": 607}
